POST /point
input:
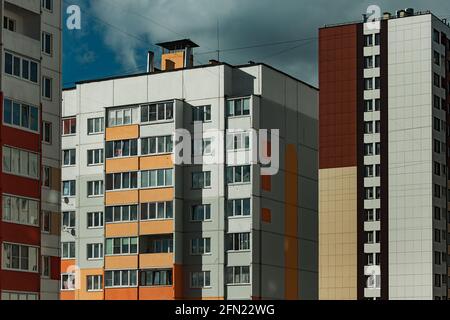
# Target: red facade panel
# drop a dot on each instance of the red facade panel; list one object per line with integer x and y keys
{"x": 338, "y": 72}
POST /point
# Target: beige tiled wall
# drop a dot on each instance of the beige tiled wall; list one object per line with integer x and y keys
{"x": 338, "y": 234}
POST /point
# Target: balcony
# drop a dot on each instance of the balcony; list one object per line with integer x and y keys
{"x": 121, "y": 262}
{"x": 156, "y": 227}
{"x": 156, "y": 251}
{"x": 115, "y": 230}
{"x": 22, "y": 44}
{"x": 30, "y": 5}
{"x": 122, "y": 133}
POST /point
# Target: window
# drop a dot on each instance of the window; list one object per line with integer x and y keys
{"x": 21, "y": 163}
{"x": 368, "y": 62}
{"x": 157, "y": 112}
{"x": 122, "y": 246}
{"x": 68, "y": 219}
{"x": 239, "y": 208}
{"x": 202, "y": 147}
{"x": 9, "y": 24}
{"x": 238, "y": 107}
{"x": 157, "y": 178}
{"x": 238, "y": 174}
{"x": 201, "y": 180}
{"x": 238, "y": 275}
{"x": 377, "y": 126}
{"x": 94, "y": 220}
{"x": 201, "y": 279}
{"x": 95, "y": 251}
{"x": 377, "y": 104}
{"x": 47, "y": 132}
{"x": 437, "y": 168}
{"x": 202, "y": 114}
{"x": 368, "y": 40}
{"x": 156, "y": 145}
{"x": 68, "y": 250}
{"x": 69, "y": 126}
{"x": 437, "y": 213}
{"x": 20, "y": 211}
{"x": 377, "y": 83}
{"x": 437, "y": 235}
{"x": 437, "y": 280}
{"x": 95, "y": 188}
{"x": 122, "y": 117}
{"x": 47, "y": 88}
{"x": 121, "y": 181}
{"x": 95, "y": 157}
{"x": 201, "y": 246}
{"x": 46, "y": 267}
{"x": 18, "y": 296}
{"x": 94, "y": 283}
{"x": 437, "y": 58}
{"x": 238, "y": 242}
{"x": 46, "y": 221}
{"x": 69, "y": 188}
{"x": 368, "y": 171}
{"x": 20, "y": 257}
{"x": 436, "y": 36}
{"x": 368, "y": 105}
{"x": 69, "y": 157}
{"x": 47, "y": 43}
{"x": 201, "y": 213}
{"x": 21, "y": 115}
{"x": 377, "y": 39}
{"x": 121, "y": 214}
{"x": 158, "y": 245}
{"x": 120, "y": 278}
{"x": 122, "y": 148}
{"x": 377, "y": 149}
{"x": 377, "y": 61}
{"x": 47, "y": 5}
{"x": 154, "y": 278}
{"x": 96, "y": 126}
{"x": 21, "y": 67}
{"x": 238, "y": 141}
{"x": 437, "y": 80}
{"x": 368, "y": 84}
{"x": 68, "y": 282}
{"x": 157, "y": 211}
{"x": 377, "y": 170}
{"x": 372, "y": 215}
{"x": 437, "y": 258}
{"x": 368, "y": 127}
{"x": 437, "y": 146}
{"x": 368, "y": 194}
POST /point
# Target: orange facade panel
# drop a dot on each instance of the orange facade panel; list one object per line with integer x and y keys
{"x": 121, "y": 197}
{"x": 156, "y": 195}
{"x": 67, "y": 295}
{"x": 122, "y": 133}
{"x": 156, "y": 162}
{"x": 116, "y": 230}
{"x": 121, "y": 262}
{"x": 122, "y": 165}
{"x": 68, "y": 266}
{"x": 83, "y": 293}
{"x": 171, "y": 61}
{"x": 156, "y": 260}
{"x": 156, "y": 293}
{"x": 156, "y": 227}
{"x": 121, "y": 294}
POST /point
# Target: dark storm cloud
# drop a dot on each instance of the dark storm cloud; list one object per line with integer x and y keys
{"x": 242, "y": 23}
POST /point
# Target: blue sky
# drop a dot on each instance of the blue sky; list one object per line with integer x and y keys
{"x": 116, "y": 34}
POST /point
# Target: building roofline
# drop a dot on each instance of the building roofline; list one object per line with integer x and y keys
{"x": 183, "y": 69}
{"x": 393, "y": 17}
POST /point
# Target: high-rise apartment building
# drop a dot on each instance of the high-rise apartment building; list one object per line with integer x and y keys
{"x": 383, "y": 207}
{"x": 30, "y": 102}
{"x": 138, "y": 225}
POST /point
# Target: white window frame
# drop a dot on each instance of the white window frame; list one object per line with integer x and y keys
{"x": 69, "y": 120}
{"x": 121, "y": 208}
{"x": 233, "y": 174}
{"x": 157, "y": 175}
{"x": 46, "y": 267}
{"x": 72, "y": 193}
{"x": 96, "y": 188}
{"x": 237, "y": 141}
{"x": 70, "y": 277}
{"x": 121, "y": 174}
{"x": 95, "y": 220}
{"x": 72, "y": 217}
{"x": 231, "y": 112}
{"x": 47, "y": 130}
{"x": 157, "y": 107}
{"x": 44, "y": 215}
{"x": 97, "y": 125}
{"x": 200, "y": 277}
{"x": 46, "y": 177}
{"x": 133, "y": 115}
{"x": 21, "y": 106}
{"x": 241, "y": 269}
{"x": 202, "y": 181}
{"x": 7, "y": 212}
{"x": 122, "y": 252}
{"x": 202, "y": 112}
{"x": 238, "y": 240}
{"x": 67, "y": 246}
{"x": 7, "y": 20}
{"x": 33, "y": 269}
{"x": 205, "y": 212}
{"x": 157, "y": 207}
{"x": 95, "y": 154}
{"x": 46, "y": 36}
{"x": 235, "y": 204}
{"x": 47, "y": 81}
{"x": 121, "y": 279}
{"x": 167, "y": 145}
{"x": 199, "y": 249}
{"x": 94, "y": 251}
{"x": 30, "y": 62}
{"x": 96, "y": 284}
{"x": 45, "y": 7}
{"x": 72, "y": 156}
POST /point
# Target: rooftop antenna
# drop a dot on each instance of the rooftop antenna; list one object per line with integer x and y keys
{"x": 218, "y": 40}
